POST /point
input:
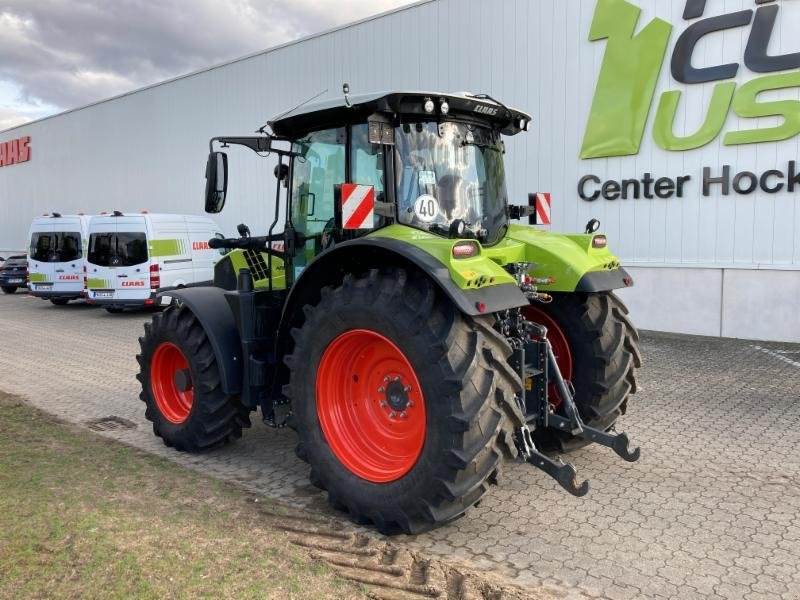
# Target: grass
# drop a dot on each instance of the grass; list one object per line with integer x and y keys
{"x": 86, "y": 517}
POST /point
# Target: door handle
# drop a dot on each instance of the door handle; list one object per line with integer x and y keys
{"x": 121, "y": 275}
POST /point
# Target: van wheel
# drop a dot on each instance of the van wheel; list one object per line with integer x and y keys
{"x": 113, "y": 310}
{"x": 9, "y": 290}
{"x": 182, "y": 387}
{"x": 59, "y": 301}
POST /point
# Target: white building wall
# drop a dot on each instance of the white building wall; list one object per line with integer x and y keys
{"x": 704, "y": 265}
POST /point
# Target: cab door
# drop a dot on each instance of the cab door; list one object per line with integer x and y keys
{"x": 320, "y": 166}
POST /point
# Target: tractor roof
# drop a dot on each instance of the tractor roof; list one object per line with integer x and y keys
{"x": 407, "y": 105}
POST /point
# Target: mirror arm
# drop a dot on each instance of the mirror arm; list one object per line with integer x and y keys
{"x": 258, "y": 144}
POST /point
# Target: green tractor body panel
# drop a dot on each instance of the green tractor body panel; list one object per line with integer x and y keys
{"x": 466, "y": 273}
{"x": 257, "y": 263}
{"x": 563, "y": 258}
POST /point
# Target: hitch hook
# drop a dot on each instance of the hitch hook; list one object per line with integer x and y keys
{"x": 620, "y": 446}
{"x": 563, "y": 473}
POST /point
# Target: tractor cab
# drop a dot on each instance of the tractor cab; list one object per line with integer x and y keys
{"x": 429, "y": 161}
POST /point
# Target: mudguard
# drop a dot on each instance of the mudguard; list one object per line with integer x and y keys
{"x": 208, "y": 304}
{"x": 376, "y": 252}
{"x": 568, "y": 259}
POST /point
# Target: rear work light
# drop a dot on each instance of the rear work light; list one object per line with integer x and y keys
{"x": 465, "y": 250}
{"x": 155, "y": 277}
{"x": 599, "y": 241}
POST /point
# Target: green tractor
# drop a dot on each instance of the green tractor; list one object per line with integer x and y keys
{"x": 399, "y": 319}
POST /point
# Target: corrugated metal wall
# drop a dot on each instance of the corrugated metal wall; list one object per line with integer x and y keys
{"x": 147, "y": 149}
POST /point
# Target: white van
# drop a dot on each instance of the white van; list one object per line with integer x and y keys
{"x": 56, "y": 257}
{"x": 131, "y": 256}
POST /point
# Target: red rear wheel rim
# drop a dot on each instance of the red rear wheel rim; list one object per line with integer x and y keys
{"x": 370, "y": 406}
{"x": 558, "y": 340}
{"x": 174, "y": 403}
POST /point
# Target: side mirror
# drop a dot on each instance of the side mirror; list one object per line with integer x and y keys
{"x": 216, "y": 181}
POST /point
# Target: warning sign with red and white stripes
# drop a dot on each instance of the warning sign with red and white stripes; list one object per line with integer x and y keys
{"x": 542, "y": 209}
{"x": 358, "y": 204}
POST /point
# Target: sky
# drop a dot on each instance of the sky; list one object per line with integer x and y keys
{"x": 60, "y": 54}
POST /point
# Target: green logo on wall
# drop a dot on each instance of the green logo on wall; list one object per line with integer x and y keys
{"x": 632, "y": 63}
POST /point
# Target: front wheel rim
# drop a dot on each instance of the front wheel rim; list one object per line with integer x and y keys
{"x": 370, "y": 406}
{"x": 174, "y": 402}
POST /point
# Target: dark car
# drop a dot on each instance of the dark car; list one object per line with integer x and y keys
{"x": 14, "y": 273}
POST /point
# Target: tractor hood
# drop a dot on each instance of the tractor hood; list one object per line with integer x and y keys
{"x": 409, "y": 105}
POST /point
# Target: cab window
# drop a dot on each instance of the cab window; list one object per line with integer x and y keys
{"x": 367, "y": 163}
{"x": 320, "y": 166}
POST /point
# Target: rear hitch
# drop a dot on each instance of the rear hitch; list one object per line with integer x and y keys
{"x": 564, "y": 473}
{"x": 570, "y": 420}
{"x": 618, "y": 442}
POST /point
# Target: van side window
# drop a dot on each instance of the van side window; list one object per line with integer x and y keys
{"x": 68, "y": 245}
{"x": 41, "y": 246}
{"x": 59, "y": 246}
{"x": 117, "y": 249}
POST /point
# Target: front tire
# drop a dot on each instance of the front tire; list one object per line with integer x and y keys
{"x": 181, "y": 385}
{"x": 9, "y": 289}
{"x": 597, "y": 349}
{"x": 402, "y": 404}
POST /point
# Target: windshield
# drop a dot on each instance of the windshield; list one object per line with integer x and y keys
{"x": 58, "y": 246}
{"x": 117, "y": 249}
{"x": 451, "y": 171}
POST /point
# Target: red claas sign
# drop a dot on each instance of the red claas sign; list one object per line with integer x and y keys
{"x": 15, "y": 151}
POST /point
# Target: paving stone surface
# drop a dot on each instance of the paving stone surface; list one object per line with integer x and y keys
{"x": 712, "y": 510}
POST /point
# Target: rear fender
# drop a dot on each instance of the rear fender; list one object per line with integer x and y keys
{"x": 363, "y": 254}
{"x": 211, "y": 308}
{"x": 570, "y": 260}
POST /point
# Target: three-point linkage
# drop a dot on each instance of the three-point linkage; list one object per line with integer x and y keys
{"x": 544, "y": 415}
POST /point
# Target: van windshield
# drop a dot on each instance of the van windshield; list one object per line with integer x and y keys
{"x": 56, "y": 246}
{"x": 117, "y": 249}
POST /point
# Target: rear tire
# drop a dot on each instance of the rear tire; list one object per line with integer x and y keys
{"x": 466, "y": 388}
{"x": 181, "y": 384}
{"x": 604, "y": 349}
{"x": 59, "y": 301}
{"x": 9, "y": 290}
